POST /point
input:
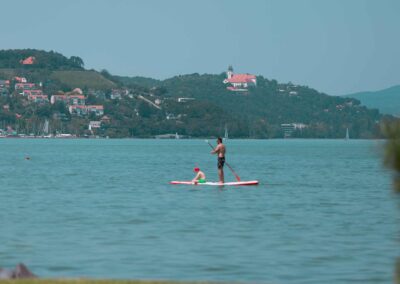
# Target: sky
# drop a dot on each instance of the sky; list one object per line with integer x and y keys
{"x": 335, "y": 46}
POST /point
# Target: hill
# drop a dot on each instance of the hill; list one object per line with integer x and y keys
{"x": 33, "y": 58}
{"x": 195, "y": 105}
{"x": 82, "y": 79}
{"x": 52, "y": 68}
{"x": 62, "y": 79}
{"x": 138, "y": 81}
{"x": 268, "y": 105}
{"x": 387, "y": 100}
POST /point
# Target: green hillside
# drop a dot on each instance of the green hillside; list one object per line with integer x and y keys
{"x": 145, "y": 107}
{"x": 12, "y": 58}
{"x": 138, "y": 80}
{"x": 62, "y": 80}
{"x": 51, "y": 68}
{"x": 387, "y": 100}
{"x": 265, "y": 107}
{"x": 82, "y": 79}
{"x": 7, "y": 73}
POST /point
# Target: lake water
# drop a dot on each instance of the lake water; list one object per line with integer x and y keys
{"x": 324, "y": 211}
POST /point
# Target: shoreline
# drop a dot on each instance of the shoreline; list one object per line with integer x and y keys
{"x": 186, "y": 138}
{"x": 99, "y": 281}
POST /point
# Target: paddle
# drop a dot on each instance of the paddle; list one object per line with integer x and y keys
{"x": 236, "y": 176}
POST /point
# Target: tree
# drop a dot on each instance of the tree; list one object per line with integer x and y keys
{"x": 145, "y": 110}
{"x": 44, "y": 111}
{"x": 392, "y": 149}
{"x": 60, "y": 107}
{"x": 77, "y": 61}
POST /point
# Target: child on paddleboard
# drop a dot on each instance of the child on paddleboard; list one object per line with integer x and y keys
{"x": 200, "y": 176}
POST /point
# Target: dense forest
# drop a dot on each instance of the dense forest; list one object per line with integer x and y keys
{"x": 261, "y": 110}
{"x": 11, "y": 58}
{"x": 258, "y": 112}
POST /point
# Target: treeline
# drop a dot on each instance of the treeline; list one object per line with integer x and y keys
{"x": 136, "y": 118}
{"x": 264, "y": 108}
{"x": 11, "y": 58}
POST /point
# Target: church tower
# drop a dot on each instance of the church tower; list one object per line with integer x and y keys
{"x": 229, "y": 73}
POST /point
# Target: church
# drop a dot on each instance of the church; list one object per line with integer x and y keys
{"x": 239, "y": 82}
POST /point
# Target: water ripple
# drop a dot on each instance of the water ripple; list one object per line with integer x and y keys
{"x": 323, "y": 212}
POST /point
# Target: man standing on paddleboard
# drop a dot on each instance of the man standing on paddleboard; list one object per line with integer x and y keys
{"x": 220, "y": 150}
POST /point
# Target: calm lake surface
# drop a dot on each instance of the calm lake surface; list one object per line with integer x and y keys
{"x": 323, "y": 213}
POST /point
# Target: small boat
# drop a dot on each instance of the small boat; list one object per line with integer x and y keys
{"x": 347, "y": 134}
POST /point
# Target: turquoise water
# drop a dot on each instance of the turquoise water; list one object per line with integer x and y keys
{"x": 323, "y": 213}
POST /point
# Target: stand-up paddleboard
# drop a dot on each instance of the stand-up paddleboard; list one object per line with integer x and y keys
{"x": 237, "y": 183}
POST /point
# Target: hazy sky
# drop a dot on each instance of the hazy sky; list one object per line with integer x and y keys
{"x": 334, "y": 46}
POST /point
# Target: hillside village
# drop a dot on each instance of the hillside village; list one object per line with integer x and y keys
{"x": 75, "y": 102}
{"x": 32, "y": 92}
{"x": 64, "y": 100}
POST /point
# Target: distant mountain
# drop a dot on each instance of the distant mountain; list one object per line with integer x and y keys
{"x": 386, "y": 101}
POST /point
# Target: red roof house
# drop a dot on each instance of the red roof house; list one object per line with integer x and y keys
{"x": 239, "y": 82}
{"x": 38, "y": 98}
{"x": 20, "y": 79}
{"x": 59, "y": 98}
{"x": 28, "y": 61}
{"x": 25, "y": 86}
{"x": 96, "y": 109}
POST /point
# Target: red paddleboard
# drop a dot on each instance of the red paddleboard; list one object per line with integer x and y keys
{"x": 236, "y": 183}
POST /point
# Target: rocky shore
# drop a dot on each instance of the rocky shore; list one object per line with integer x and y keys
{"x": 20, "y": 271}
